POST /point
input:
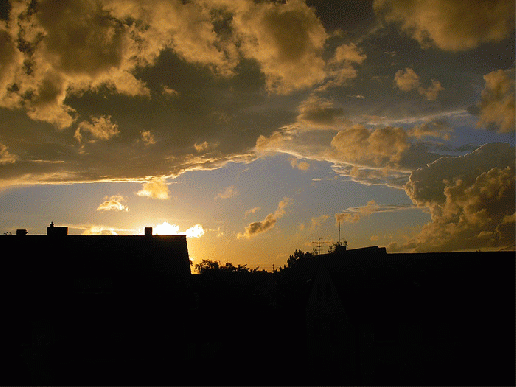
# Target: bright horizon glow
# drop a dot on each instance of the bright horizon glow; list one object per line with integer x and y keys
{"x": 166, "y": 228}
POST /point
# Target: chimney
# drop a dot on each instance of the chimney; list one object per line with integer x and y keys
{"x": 52, "y": 230}
{"x": 148, "y": 231}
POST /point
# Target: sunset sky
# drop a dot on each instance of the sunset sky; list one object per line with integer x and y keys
{"x": 256, "y": 127}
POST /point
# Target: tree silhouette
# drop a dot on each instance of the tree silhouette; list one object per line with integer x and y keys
{"x": 298, "y": 258}
{"x": 209, "y": 266}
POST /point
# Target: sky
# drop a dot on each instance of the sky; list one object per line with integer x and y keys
{"x": 257, "y": 127}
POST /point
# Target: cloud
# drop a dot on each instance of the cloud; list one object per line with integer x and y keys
{"x": 6, "y": 157}
{"x": 470, "y": 198}
{"x": 117, "y": 76}
{"x": 426, "y": 184}
{"x": 101, "y": 128}
{"x": 317, "y": 221}
{"x": 205, "y": 146}
{"x": 319, "y": 112}
{"x": 268, "y": 223}
{"x": 156, "y": 188}
{"x": 201, "y": 147}
{"x": 452, "y": 25}
{"x": 166, "y": 228}
{"x": 62, "y": 50}
{"x": 9, "y": 57}
{"x": 228, "y": 192}
{"x": 348, "y": 53}
{"x": 99, "y": 230}
{"x": 432, "y": 91}
{"x": 496, "y": 107}
{"x": 195, "y": 231}
{"x": 436, "y": 128}
{"x": 379, "y": 148}
{"x": 301, "y": 165}
{"x": 289, "y": 60}
{"x": 274, "y": 142}
{"x": 382, "y": 155}
{"x": 170, "y": 92}
{"x": 113, "y": 203}
{"x": 341, "y": 67}
{"x": 407, "y": 80}
{"x": 252, "y": 210}
{"x": 148, "y": 137}
{"x": 354, "y": 214}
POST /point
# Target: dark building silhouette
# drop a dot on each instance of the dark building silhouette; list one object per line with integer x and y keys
{"x": 412, "y": 319}
{"x": 126, "y": 310}
{"x": 94, "y": 309}
{"x": 56, "y": 231}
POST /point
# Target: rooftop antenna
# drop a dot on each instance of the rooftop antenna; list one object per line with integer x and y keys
{"x": 339, "y": 232}
{"x": 319, "y": 243}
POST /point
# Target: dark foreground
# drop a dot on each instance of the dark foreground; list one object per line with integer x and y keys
{"x": 128, "y": 311}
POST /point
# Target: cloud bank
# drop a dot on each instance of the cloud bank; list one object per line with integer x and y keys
{"x": 471, "y": 201}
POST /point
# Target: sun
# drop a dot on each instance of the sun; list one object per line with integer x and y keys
{"x": 166, "y": 228}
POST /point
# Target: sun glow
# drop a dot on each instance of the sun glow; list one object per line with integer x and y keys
{"x": 166, "y": 228}
{"x": 195, "y": 231}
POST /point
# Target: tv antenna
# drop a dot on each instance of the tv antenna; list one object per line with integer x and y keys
{"x": 319, "y": 243}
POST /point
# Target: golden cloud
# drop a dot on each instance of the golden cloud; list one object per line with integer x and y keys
{"x": 156, "y": 188}
{"x": 100, "y": 128}
{"x": 289, "y": 60}
{"x": 113, "y": 203}
{"x": 407, "y": 80}
{"x": 452, "y": 25}
{"x": 6, "y": 157}
{"x": 497, "y": 103}
{"x": 380, "y": 147}
{"x": 471, "y": 200}
{"x": 301, "y": 165}
{"x": 268, "y": 223}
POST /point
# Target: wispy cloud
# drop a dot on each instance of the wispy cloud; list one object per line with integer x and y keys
{"x": 354, "y": 214}
{"x": 252, "y": 210}
{"x": 227, "y": 193}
